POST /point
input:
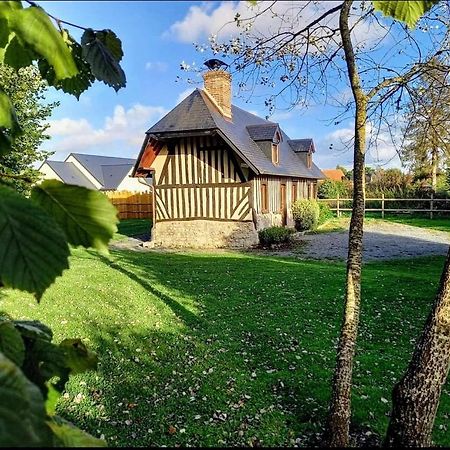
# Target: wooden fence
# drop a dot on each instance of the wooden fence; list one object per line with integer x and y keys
{"x": 432, "y": 202}
{"x": 132, "y": 205}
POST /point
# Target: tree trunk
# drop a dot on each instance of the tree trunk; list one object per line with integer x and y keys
{"x": 415, "y": 398}
{"x": 337, "y": 433}
{"x": 434, "y": 161}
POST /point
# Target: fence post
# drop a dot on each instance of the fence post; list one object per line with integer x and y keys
{"x": 338, "y": 213}
{"x": 431, "y": 205}
{"x": 382, "y": 205}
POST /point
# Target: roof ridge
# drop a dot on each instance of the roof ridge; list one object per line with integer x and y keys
{"x": 272, "y": 124}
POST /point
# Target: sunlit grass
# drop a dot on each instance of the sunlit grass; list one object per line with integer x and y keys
{"x": 229, "y": 349}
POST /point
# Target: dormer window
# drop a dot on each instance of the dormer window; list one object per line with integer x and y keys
{"x": 275, "y": 154}
{"x": 276, "y": 149}
{"x": 309, "y": 160}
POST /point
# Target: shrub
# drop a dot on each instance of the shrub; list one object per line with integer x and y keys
{"x": 325, "y": 213}
{"x": 274, "y": 235}
{"x": 332, "y": 188}
{"x": 305, "y": 214}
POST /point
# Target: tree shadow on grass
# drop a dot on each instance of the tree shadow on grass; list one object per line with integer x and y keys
{"x": 178, "y": 309}
{"x": 248, "y": 360}
{"x": 248, "y": 355}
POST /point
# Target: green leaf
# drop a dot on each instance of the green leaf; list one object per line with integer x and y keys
{"x": 9, "y": 8}
{"x": 34, "y": 329}
{"x": 11, "y": 343}
{"x": 22, "y": 411}
{"x": 16, "y": 55}
{"x": 77, "y": 356}
{"x": 4, "y": 32}
{"x": 33, "y": 248}
{"x": 44, "y": 360}
{"x": 405, "y": 11}
{"x": 7, "y": 116}
{"x": 35, "y": 30}
{"x": 5, "y": 142}
{"x": 87, "y": 217}
{"x": 102, "y": 50}
{"x": 9, "y": 126}
{"x": 52, "y": 399}
{"x": 68, "y": 435}
{"x": 112, "y": 43}
{"x": 75, "y": 85}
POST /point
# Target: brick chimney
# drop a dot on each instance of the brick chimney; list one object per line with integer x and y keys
{"x": 218, "y": 86}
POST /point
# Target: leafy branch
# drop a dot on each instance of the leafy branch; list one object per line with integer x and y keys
{"x": 28, "y": 35}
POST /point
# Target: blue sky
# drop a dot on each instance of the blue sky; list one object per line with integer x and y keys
{"x": 156, "y": 38}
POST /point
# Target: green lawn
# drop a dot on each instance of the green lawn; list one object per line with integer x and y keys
{"x": 226, "y": 348}
{"x": 437, "y": 223}
{"x": 132, "y": 227}
{"x": 342, "y": 223}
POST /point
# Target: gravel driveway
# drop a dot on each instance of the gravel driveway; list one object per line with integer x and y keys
{"x": 381, "y": 241}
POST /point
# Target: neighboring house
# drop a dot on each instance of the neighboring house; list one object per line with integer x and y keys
{"x": 104, "y": 173}
{"x": 221, "y": 173}
{"x": 334, "y": 174}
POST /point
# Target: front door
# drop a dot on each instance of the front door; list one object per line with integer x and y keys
{"x": 283, "y": 204}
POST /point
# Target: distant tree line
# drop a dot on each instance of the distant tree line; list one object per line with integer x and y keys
{"x": 388, "y": 182}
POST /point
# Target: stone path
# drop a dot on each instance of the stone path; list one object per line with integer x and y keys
{"x": 381, "y": 241}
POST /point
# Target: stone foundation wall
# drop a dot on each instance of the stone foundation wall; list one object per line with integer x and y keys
{"x": 204, "y": 234}
{"x": 271, "y": 220}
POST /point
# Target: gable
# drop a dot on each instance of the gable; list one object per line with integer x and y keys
{"x": 66, "y": 172}
{"x": 197, "y": 114}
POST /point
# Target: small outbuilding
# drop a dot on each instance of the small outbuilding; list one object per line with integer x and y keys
{"x": 221, "y": 173}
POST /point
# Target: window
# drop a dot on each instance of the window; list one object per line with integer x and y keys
{"x": 275, "y": 154}
{"x": 309, "y": 160}
{"x": 294, "y": 191}
{"x": 264, "y": 198}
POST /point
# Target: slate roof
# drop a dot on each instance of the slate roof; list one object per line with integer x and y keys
{"x": 302, "y": 145}
{"x": 262, "y": 132}
{"x": 197, "y": 112}
{"x": 109, "y": 171}
{"x": 69, "y": 173}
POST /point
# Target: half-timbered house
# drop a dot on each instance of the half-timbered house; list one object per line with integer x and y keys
{"x": 221, "y": 173}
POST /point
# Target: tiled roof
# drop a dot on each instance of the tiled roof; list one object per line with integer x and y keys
{"x": 198, "y": 113}
{"x": 334, "y": 174}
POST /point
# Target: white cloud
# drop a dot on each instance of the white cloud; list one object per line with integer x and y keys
{"x": 157, "y": 66}
{"x": 121, "y": 134}
{"x": 68, "y": 127}
{"x": 382, "y": 147}
{"x": 204, "y": 20}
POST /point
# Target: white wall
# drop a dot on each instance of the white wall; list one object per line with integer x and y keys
{"x": 47, "y": 173}
{"x": 83, "y": 171}
{"x": 132, "y": 184}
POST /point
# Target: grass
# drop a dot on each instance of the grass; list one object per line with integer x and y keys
{"x": 342, "y": 223}
{"x": 132, "y": 227}
{"x": 228, "y": 349}
{"x": 438, "y": 223}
